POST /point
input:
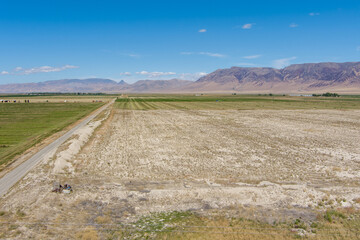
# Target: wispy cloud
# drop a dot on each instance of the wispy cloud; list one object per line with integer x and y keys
{"x": 283, "y": 62}
{"x": 252, "y": 56}
{"x": 312, "y": 14}
{"x": 163, "y": 75}
{"x": 247, "y": 26}
{"x": 210, "y": 54}
{"x": 4, "y": 73}
{"x": 246, "y": 64}
{"x": 293, "y": 25}
{"x": 155, "y": 74}
{"x": 358, "y": 48}
{"x": 46, "y": 69}
{"x": 202, "y": 30}
{"x": 132, "y": 55}
{"x": 42, "y": 69}
{"x": 125, "y": 74}
{"x": 191, "y": 76}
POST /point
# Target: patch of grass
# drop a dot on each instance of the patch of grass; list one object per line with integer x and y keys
{"x": 299, "y": 224}
{"x": 189, "y": 225}
{"x": 330, "y": 214}
{"x": 161, "y": 221}
{"x": 25, "y": 124}
{"x": 13, "y": 227}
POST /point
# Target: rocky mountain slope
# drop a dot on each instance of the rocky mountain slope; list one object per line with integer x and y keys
{"x": 309, "y": 77}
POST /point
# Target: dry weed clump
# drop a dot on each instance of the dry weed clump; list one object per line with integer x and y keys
{"x": 87, "y": 234}
{"x": 103, "y": 220}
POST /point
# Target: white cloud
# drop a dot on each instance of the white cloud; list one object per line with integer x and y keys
{"x": 42, "y": 69}
{"x": 252, "y": 56}
{"x": 125, "y": 74}
{"x": 202, "y": 30}
{"x": 4, "y": 73}
{"x": 247, "y": 26}
{"x": 191, "y": 76}
{"x": 210, "y": 54}
{"x": 283, "y": 62}
{"x": 45, "y": 69}
{"x": 314, "y": 14}
{"x": 358, "y": 48}
{"x": 246, "y": 64}
{"x": 155, "y": 74}
{"x": 293, "y": 25}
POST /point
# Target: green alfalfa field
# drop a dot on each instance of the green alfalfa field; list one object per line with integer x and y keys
{"x": 22, "y": 125}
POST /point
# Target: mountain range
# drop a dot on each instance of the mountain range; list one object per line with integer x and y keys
{"x": 296, "y": 78}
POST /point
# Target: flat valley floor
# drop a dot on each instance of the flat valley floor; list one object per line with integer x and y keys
{"x": 271, "y": 165}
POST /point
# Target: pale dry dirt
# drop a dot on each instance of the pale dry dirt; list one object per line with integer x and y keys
{"x": 285, "y": 163}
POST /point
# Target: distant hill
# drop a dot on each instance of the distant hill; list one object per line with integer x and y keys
{"x": 95, "y": 85}
{"x": 65, "y": 85}
{"x": 297, "y": 78}
{"x": 172, "y": 85}
{"x": 308, "y": 77}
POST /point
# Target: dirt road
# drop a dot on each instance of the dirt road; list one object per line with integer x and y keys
{"x": 18, "y": 173}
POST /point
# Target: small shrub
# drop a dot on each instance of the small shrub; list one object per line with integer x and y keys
{"x": 20, "y": 213}
{"x": 299, "y": 224}
{"x": 328, "y": 216}
{"x": 332, "y": 213}
{"x": 314, "y": 225}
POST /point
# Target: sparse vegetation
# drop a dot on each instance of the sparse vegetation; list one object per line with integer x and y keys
{"x": 87, "y": 234}
{"x": 330, "y": 214}
{"x": 238, "y": 102}
{"x": 157, "y": 163}
{"x": 190, "y": 225}
{"x": 328, "y": 94}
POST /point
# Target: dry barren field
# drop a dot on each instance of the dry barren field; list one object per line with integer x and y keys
{"x": 268, "y": 165}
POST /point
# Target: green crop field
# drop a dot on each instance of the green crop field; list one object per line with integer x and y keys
{"x": 236, "y": 102}
{"x": 22, "y": 125}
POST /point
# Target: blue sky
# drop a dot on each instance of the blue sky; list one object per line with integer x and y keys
{"x": 132, "y": 40}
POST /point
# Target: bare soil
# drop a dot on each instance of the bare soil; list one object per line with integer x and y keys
{"x": 284, "y": 164}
